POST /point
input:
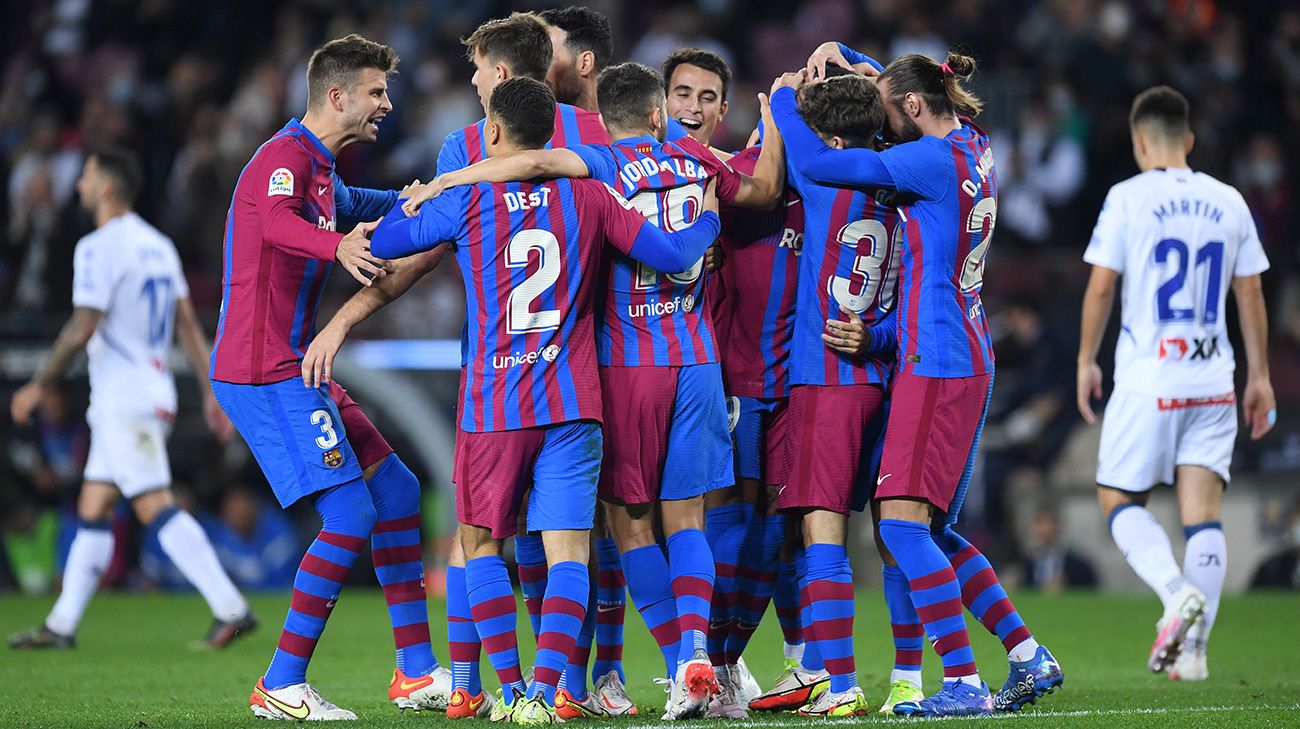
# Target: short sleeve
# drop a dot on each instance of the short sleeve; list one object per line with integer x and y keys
{"x": 1106, "y": 247}
{"x": 1251, "y": 259}
{"x": 92, "y": 276}
{"x": 452, "y": 155}
{"x": 600, "y": 162}
{"x": 922, "y": 168}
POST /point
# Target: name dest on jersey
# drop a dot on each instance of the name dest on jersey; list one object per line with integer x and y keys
{"x": 639, "y": 169}
{"x": 683, "y": 304}
{"x": 549, "y": 353}
{"x": 516, "y": 201}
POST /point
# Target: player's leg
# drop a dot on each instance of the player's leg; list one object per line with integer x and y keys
{"x": 1205, "y": 562}
{"x": 464, "y": 648}
{"x": 189, "y": 548}
{"x": 726, "y": 521}
{"x": 88, "y": 557}
{"x": 492, "y": 605}
{"x": 611, "y": 606}
{"x": 530, "y": 562}
{"x": 928, "y": 441}
{"x": 396, "y": 551}
{"x": 904, "y": 625}
{"x": 649, "y": 583}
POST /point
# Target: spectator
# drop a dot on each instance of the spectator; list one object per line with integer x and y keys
{"x": 1282, "y": 569}
{"x": 1052, "y": 566}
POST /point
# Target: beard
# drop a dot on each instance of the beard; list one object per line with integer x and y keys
{"x": 909, "y": 131}
{"x": 568, "y": 87}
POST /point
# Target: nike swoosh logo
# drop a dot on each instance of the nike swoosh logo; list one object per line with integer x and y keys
{"x": 418, "y": 683}
{"x": 477, "y": 701}
{"x": 607, "y": 608}
{"x": 882, "y": 478}
{"x": 321, "y": 190}
{"x": 792, "y": 203}
{"x": 299, "y": 712}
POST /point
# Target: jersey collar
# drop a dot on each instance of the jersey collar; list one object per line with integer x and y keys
{"x": 296, "y": 126}
{"x": 636, "y": 141}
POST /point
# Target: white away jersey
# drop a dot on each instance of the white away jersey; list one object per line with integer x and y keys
{"x": 131, "y": 272}
{"x": 1178, "y": 237}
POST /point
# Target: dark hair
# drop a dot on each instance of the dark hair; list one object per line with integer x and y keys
{"x": 1164, "y": 107}
{"x": 122, "y": 167}
{"x": 526, "y": 108}
{"x": 520, "y": 41}
{"x": 584, "y": 30}
{"x": 627, "y": 92}
{"x": 339, "y": 61}
{"x": 848, "y": 107}
{"x": 834, "y": 71}
{"x": 707, "y": 60}
{"x": 942, "y": 89}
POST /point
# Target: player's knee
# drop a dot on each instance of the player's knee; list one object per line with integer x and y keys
{"x": 394, "y": 489}
{"x": 96, "y": 502}
{"x": 347, "y": 509}
{"x": 1112, "y": 499}
{"x": 149, "y": 505}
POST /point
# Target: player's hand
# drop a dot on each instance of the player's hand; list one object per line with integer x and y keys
{"x": 25, "y": 401}
{"x": 354, "y": 253}
{"x": 216, "y": 419}
{"x": 318, "y": 361}
{"x": 713, "y": 258}
{"x": 828, "y": 52}
{"x": 792, "y": 79}
{"x": 1088, "y": 388}
{"x": 410, "y": 187}
{"x": 711, "y": 195}
{"x": 847, "y": 337}
{"x": 1259, "y": 407}
{"x": 421, "y": 194}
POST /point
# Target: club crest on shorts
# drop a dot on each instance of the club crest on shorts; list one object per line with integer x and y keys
{"x": 333, "y": 458}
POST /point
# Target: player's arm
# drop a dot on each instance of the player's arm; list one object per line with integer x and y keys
{"x": 318, "y": 360}
{"x": 399, "y": 236}
{"x": 362, "y": 203}
{"x": 197, "y": 352}
{"x": 70, "y": 342}
{"x": 832, "y": 52}
{"x": 854, "y": 337}
{"x": 1258, "y": 404}
{"x": 764, "y": 188}
{"x": 1097, "y": 302}
{"x": 526, "y": 165}
{"x": 285, "y": 228}
{"x": 630, "y": 232}
{"x": 810, "y": 156}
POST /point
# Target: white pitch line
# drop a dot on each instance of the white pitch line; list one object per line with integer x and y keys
{"x": 1010, "y": 716}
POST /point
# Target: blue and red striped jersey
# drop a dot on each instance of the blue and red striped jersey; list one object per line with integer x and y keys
{"x": 752, "y": 296}
{"x": 530, "y": 255}
{"x": 847, "y": 265}
{"x": 947, "y": 229}
{"x": 573, "y": 126}
{"x": 279, "y": 247}
{"x": 653, "y": 318}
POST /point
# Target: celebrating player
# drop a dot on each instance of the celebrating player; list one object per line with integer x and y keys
{"x": 696, "y": 82}
{"x": 314, "y": 441}
{"x": 582, "y": 45}
{"x": 530, "y": 393}
{"x": 1180, "y": 239}
{"x": 129, "y": 295}
{"x": 944, "y": 164}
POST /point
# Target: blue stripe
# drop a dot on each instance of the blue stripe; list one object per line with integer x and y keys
{"x": 300, "y": 305}
{"x": 572, "y": 236}
{"x": 959, "y": 498}
{"x": 487, "y": 256}
{"x": 1192, "y": 530}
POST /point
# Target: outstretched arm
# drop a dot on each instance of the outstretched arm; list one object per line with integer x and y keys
{"x": 71, "y": 340}
{"x": 763, "y": 190}
{"x": 510, "y": 168}
{"x": 810, "y": 156}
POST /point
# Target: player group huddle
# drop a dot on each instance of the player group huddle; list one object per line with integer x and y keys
{"x": 691, "y": 363}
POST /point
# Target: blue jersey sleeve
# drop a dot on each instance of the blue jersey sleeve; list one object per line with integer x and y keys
{"x": 921, "y": 168}
{"x": 675, "y": 131}
{"x": 856, "y": 57}
{"x": 439, "y": 220}
{"x": 884, "y": 335}
{"x": 809, "y": 156}
{"x": 361, "y": 203}
{"x": 452, "y": 155}
{"x": 600, "y": 162}
{"x": 675, "y": 251}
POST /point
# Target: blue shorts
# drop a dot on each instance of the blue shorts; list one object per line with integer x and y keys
{"x": 666, "y": 433}
{"x": 558, "y": 465}
{"x": 296, "y": 434}
{"x": 752, "y": 417}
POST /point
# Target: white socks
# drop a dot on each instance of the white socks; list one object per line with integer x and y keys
{"x": 792, "y": 652}
{"x": 1146, "y": 547}
{"x": 914, "y": 677}
{"x": 1024, "y": 650}
{"x": 88, "y": 557}
{"x": 188, "y": 547}
{"x": 1205, "y": 565}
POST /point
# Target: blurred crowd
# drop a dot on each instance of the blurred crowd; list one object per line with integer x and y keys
{"x": 193, "y": 88}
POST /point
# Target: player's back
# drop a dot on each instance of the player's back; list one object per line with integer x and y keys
{"x": 573, "y": 126}
{"x": 1178, "y": 237}
{"x": 757, "y": 280}
{"x": 130, "y": 271}
{"x": 848, "y": 263}
{"x": 654, "y": 318}
{"x": 530, "y": 255}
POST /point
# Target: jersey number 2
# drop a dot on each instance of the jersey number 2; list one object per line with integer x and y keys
{"x": 521, "y": 319}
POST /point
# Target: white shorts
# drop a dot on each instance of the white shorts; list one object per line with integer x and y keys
{"x": 1143, "y": 438}
{"x": 129, "y": 450}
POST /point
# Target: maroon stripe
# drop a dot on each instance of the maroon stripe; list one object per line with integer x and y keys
{"x": 297, "y": 645}
{"x": 908, "y": 630}
{"x": 834, "y": 629}
{"x": 688, "y": 586}
{"x": 609, "y": 651}
{"x": 828, "y": 590}
{"x": 405, "y": 523}
{"x": 464, "y": 652}
{"x": 611, "y": 579}
{"x": 316, "y": 607}
{"x": 529, "y": 573}
{"x": 963, "y": 669}
{"x": 342, "y": 541}
{"x": 666, "y": 634}
{"x": 533, "y": 605}
{"x": 564, "y": 606}
{"x": 978, "y": 583}
{"x": 494, "y": 608}
{"x": 996, "y": 612}
{"x": 325, "y": 569}
{"x": 1016, "y": 637}
{"x": 749, "y": 573}
{"x": 907, "y": 658}
{"x": 406, "y": 636}
{"x": 693, "y": 622}
{"x": 580, "y": 655}
{"x": 841, "y": 666}
{"x": 963, "y": 556}
{"x": 510, "y": 674}
{"x": 934, "y": 579}
{"x": 396, "y": 555}
{"x": 403, "y": 592}
{"x": 955, "y": 640}
{"x": 506, "y": 641}
{"x": 611, "y": 617}
{"x": 546, "y": 676}
{"x": 939, "y": 611}
{"x": 723, "y": 569}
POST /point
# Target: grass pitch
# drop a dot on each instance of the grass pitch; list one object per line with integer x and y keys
{"x": 132, "y": 667}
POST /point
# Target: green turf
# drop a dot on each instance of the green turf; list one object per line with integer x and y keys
{"x": 132, "y": 667}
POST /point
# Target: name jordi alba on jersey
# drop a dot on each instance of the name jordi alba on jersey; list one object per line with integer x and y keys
{"x": 654, "y": 318}
{"x": 1178, "y": 238}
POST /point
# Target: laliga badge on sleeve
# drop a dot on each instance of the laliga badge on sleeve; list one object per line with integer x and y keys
{"x": 281, "y": 182}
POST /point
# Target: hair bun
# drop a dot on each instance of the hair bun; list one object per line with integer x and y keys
{"x": 963, "y": 67}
